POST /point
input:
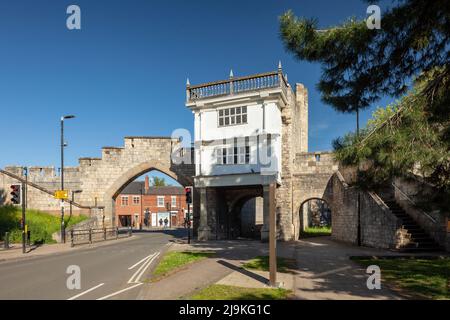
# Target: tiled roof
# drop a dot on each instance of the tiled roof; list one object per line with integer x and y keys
{"x": 135, "y": 187}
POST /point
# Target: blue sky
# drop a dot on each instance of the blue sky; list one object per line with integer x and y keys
{"x": 124, "y": 72}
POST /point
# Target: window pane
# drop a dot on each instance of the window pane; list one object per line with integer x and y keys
{"x": 238, "y": 110}
{"x": 238, "y": 119}
{"x": 244, "y": 109}
{"x": 232, "y": 111}
{"x": 233, "y": 119}
{"x": 220, "y": 121}
{"x": 227, "y": 112}
{"x": 227, "y": 121}
{"x": 220, "y": 113}
{"x": 244, "y": 118}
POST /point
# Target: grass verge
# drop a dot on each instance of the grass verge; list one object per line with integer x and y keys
{"x": 223, "y": 292}
{"x": 41, "y": 224}
{"x": 424, "y": 278}
{"x": 175, "y": 260}
{"x": 261, "y": 263}
{"x": 316, "y": 232}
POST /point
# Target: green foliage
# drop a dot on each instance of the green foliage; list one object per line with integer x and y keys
{"x": 424, "y": 278}
{"x": 9, "y": 220}
{"x": 224, "y": 292}
{"x": 175, "y": 259}
{"x": 159, "y": 182}
{"x": 316, "y": 232}
{"x": 400, "y": 140}
{"x": 361, "y": 65}
{"x": 261, "y": 263}
{"x": 41, "y": 224}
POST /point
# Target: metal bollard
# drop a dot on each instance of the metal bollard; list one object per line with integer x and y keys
{"x": 71, "y": 238}
{"x": 28, "y": 237}
{"x": 90, "y": 235}
{"x": 117, "y": 233}
{"x": 6, "y": 243}
{"x": 130, "y": 231}
{"x": 104, "y": 234}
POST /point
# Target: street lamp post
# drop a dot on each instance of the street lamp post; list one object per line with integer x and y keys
{"x": 63, "y": 235}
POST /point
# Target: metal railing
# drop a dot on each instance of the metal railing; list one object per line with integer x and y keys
{"x": 84, "y": 236}
{"x": 426, "y": 214}
{"x": 260, "y": 81}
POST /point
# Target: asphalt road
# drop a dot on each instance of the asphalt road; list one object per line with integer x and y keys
{"x": 114, "y": 271}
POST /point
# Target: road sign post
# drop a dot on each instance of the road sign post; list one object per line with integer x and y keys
{"x": 24, "y": 249}
{"x": 188, "y": 191}
{"x": 272, "y": 237}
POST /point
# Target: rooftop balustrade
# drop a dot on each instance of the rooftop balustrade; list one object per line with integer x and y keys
{"x": 232, "y": 86}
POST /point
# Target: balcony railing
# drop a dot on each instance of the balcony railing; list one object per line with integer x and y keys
{"x": 232, "y": 86}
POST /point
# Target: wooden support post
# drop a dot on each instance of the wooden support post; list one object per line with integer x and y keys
{"x": 272, "y": 237}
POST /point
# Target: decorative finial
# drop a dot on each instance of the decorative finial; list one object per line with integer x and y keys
{"x": 187, "y": 82}
{"x": 231, "y": 73}
{"x": 279, "y": 65}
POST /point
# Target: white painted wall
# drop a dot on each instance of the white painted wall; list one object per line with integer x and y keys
{"x": 206, "y": 129}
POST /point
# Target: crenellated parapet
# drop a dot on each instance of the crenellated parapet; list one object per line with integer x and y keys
{"x": 102, "y": 179}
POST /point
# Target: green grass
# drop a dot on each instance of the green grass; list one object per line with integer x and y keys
{"x": 174, "y": 260}
{"x": 41, "y": 224}
{"x": 223, "y": 292}
{"x": 261, "y": 263}
{"x": 316, "y": 232}
{"x": 425, "y": 278}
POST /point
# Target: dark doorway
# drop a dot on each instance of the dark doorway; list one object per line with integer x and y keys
{"x": 125, "y": 220}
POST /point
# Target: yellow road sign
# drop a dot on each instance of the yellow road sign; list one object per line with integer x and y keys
{"x": 61, "y": 194}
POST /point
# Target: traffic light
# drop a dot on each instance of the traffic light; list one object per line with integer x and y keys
{"x": 15, "y": 194}
{"x": 188, "y": 191}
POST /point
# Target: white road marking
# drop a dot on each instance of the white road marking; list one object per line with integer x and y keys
{"x": 146, "y": 267}
{"x": 84, "y": 292}
{"x": 140, "y": 268}
{"x": 120, "y": 291}
{"x": 137, "y": 263}
{"x": 136, "y": 277}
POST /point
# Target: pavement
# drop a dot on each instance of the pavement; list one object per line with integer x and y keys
{"x": 324, "y": 271}
{"x": 121, "y": 269}
{"x": 108, "y": 270}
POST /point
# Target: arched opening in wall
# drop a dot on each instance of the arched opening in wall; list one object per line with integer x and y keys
{"x": 314, "y": 218}
{"x": 153, "y": 200}
{"x": 251, "y": 218}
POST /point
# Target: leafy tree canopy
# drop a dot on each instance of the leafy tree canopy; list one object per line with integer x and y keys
{"x": 159, "y": 182}
{"x": 362, "y": 65}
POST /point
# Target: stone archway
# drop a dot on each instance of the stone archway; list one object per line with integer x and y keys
{"x": 314, "y": 212}
{"x": 130, "y": 175}
{"x": 237, "y": 197}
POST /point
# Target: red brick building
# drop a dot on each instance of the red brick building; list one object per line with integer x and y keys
{"x": 141, "y": 205}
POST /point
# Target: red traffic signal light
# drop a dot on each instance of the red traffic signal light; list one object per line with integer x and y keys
{"x": 15, "y": 194}
{"x": 188, "y": 191}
